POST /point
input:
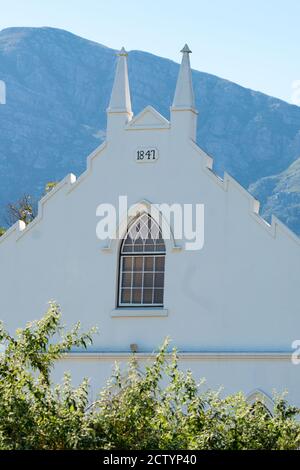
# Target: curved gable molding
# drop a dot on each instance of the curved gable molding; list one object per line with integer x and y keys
{"x": 135, "y": 211}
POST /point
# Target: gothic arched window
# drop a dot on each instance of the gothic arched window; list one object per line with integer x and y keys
{"x": 260, "y": 401}
{"x": 142, "y": 265}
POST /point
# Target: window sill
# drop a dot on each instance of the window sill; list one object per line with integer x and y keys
{"x": 139, "y": 312}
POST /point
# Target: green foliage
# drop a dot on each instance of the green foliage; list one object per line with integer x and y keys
{"x": 164, "y": 408}
{"x": 49, "y": 186}
{"x": 2, "y": 231}
{"x": 34, "y": 415}
{"x": 160, "y": 407}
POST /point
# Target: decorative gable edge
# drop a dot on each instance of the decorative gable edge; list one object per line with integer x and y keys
{"x": 160, "y": 122}
{"x": 69, "y": 182}
{"x": 18, "y": 227}
{"x": 229, "y": 182}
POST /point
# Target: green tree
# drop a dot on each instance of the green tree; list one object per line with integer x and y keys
{"x": 34, "y": 414}
{"x": 23, "y": 209}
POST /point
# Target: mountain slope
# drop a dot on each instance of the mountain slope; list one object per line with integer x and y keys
{"x": 58, "y": 88}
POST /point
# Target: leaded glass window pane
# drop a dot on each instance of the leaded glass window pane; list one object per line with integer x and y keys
{"x": 142, "y": 264}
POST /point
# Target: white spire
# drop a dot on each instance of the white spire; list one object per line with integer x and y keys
{"x": 120, "y": 101}
{"x": 184, "y": 94}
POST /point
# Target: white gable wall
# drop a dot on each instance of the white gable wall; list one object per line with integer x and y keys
{"x": 239, "y": 294}
{"x": 242, "y": 282}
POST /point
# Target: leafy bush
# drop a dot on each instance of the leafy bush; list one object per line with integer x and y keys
{"x": 34, "y": 414}
{"x": 137, "y": 411}
{"x": 158, "y": 408}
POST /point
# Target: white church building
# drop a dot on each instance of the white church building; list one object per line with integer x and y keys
{"x": 229, "y": 299}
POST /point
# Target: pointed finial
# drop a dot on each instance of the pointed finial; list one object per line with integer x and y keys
{"x": 184, "y": 94}
{"x": 186, "y": 49}
{"x": 120, "y": 101}
{"x": 123, "y": 52}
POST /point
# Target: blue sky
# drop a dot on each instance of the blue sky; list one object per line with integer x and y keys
{"x": 252, "y": 42}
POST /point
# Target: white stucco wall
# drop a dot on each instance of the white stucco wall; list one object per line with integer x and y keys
{"x": 240, "y": 293}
